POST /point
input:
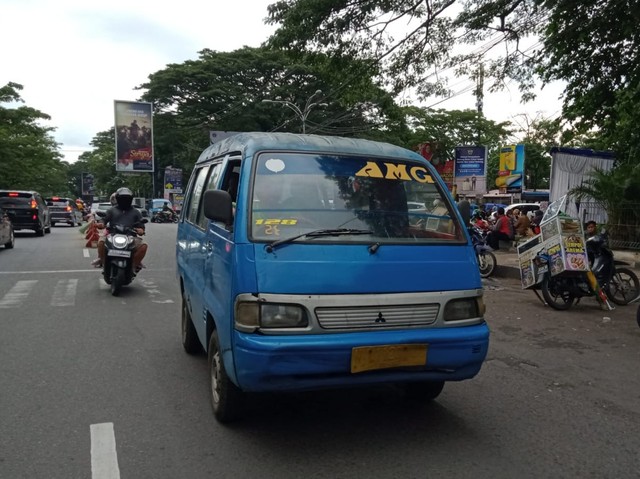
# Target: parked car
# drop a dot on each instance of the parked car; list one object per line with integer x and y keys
{"x": 523, "y": 207}
{"x": 7, "y": 238}
{"x": 27, "y": 210}
{"x": 64, "y": 210}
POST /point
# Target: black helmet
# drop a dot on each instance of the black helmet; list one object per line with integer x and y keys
{"x": 124, "y": 198}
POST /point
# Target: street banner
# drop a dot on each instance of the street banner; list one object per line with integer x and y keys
{"x": 216, "y": 136}
{"x": 134, "y": 136}
{"x": 511, "y": 169}
{"x": 429, "y": 151}
{"x": 470, "y": 171}
{"x": 87, "y": 184}
{"x": 172, "y": 180}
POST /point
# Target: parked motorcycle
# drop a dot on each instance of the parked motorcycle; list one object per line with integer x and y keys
{"x": 606, "y": 280}
{"x": 117, "y": 269}
{"x": 487, "y": 261}
{"x": 164, "y": 217}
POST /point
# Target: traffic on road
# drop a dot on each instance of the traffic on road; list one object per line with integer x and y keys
{"x": 93, "y": 384}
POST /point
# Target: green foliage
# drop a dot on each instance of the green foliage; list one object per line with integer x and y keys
{"x": 30, "y": 156}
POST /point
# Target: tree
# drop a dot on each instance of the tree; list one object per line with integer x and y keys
{"x": 30, "y": 156}
{"x": 224, "y": 91}
{"x": 412, "y": 41}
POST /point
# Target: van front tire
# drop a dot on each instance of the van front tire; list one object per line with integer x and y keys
{"x": 226, "y": 397}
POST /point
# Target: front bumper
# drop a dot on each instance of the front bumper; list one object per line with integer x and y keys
{"x": 305, "y": 362}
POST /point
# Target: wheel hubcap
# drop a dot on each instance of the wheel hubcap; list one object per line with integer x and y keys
{"x": 215, "y": 377}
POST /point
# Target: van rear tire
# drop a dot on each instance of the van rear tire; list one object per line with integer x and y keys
{"x": 423, "y": 391}
{"x": 226, "y": 398}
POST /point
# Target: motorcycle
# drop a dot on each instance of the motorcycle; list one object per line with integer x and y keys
{"x": 117, "y": 269}
{"x": 606, "y": 280}
{"x": 487, "y": 261}
{"x": 164, "y": 217}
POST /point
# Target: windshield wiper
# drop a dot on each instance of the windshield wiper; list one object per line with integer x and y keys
{"x": 317, "y": 234}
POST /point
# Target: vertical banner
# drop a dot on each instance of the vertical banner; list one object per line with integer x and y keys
{"x": 134, "y": 136}
{"x": 429, "y": 151}
{"x": 172, "y": 181}
{"x": 470, "y": 170}
{"x": 87, "y": 184}
{"x": 511, "y": 169}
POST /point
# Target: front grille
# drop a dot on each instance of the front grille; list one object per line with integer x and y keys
{"x": 378, "y": 317}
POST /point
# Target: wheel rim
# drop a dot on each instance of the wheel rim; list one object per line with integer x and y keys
{"x": 623, "y": 287}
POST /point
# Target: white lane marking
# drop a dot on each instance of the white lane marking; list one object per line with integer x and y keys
{"x": 64, "y": 293}
{"x": 85, "y": 253}
{"x": 17, "y": 294}
{"x": 92, "y": 270}
{"x": 104, "y": 459}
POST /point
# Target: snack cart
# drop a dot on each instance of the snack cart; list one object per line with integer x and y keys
{"x": 561, "y": 238}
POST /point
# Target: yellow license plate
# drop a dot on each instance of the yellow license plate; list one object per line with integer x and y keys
{"x": 368, "y": 358}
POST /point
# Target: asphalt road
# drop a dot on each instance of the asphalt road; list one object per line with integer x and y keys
{"x": 93, "y": 386}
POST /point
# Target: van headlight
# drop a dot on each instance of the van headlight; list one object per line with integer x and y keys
{"x": 464, "y": 308}
{"x": 253, "y": 315}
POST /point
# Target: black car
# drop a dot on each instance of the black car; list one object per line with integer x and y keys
{"x": 64, "y": 210}
{"x": 27, "y": 210}
{"x": 7, "y": 238}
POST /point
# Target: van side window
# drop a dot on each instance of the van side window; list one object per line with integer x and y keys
{"x": 210, "y": 185}
{"x": 196, "y": 194}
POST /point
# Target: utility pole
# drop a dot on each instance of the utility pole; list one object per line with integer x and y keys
{"x": 479, "y": 93}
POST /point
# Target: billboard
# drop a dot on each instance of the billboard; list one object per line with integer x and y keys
{"x": 429, "y": 151}
{"x": 87, "y": 184}
{"x": 470, "y": 170}
{"x": 134, "y": 136}
{"x": 215, "y": 136}
{"x": 172, "y": 180}
{"x": 511, "y": 169}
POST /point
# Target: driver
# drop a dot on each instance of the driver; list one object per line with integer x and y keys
{"x": 124, "y": 214}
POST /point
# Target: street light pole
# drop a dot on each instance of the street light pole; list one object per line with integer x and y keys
{"x": 302, "y": 114}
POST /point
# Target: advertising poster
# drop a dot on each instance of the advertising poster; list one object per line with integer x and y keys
{"x": 470, "y": 170}
{"x": 429, "y": 151}
{"x": 87, "y": 184}
{"x": 511, "y": 169}
{"x": 134, "y": 137}
{"x": 172, "y": 181}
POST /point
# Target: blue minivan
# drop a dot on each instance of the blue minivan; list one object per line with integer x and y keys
{"x": 303, "y": 263}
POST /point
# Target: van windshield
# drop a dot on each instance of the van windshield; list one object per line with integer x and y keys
{"x": 381, "y": 200}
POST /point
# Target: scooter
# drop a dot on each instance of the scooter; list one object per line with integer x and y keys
{"x": 605, "y": 281}
{"x": 117, "y": 270}
{"x": 487, "y": 261}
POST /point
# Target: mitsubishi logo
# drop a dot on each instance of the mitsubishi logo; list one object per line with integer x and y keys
{"x": 380, "y": 319}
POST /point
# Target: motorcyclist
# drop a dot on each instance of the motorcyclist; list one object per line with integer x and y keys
{"x": 124, "y": 214}
{"x": 166, "y": 210}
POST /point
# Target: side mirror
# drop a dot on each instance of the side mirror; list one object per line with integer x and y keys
{"x": 217, "y": 206}
{"x": 144, "y": 221}
{"x": 101, "y": 214}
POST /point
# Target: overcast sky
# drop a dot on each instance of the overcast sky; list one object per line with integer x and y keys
{"x": 75, "y": 57}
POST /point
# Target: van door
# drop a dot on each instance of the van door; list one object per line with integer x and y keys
{"x": 219, "y": 269}
{"x": 196, "y": 248}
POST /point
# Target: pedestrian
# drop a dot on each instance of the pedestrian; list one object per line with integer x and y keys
{"x": 502, "y": 230}
{"x": 522, "y": 224}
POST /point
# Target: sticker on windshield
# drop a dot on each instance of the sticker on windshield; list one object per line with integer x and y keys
{"x": 275, "y": 165}
{"x": 277, "y": 221}
{"x": 395, "y": 171}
